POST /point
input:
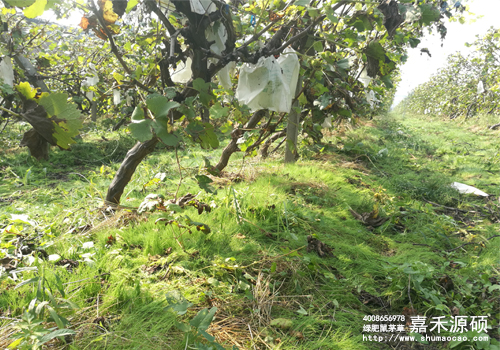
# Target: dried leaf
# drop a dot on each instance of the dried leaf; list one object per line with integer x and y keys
{"x": 369, "y": 219}
{"x": 392, "y": 17}
{"x": 37, "y": 145}
{"x": 107, "y": 12}
{"x": 314, "y": 244}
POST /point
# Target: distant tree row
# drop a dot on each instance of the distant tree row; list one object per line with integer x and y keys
{"x": 467, "y": 86}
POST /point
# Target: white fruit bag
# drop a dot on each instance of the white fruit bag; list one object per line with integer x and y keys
{"x": 116, "y": 97}
{"x": 183, "y": 72}
{"x": 480, "y": 87}
{"x": 202, "y": 7}
{"x": 463, "y": 188}
{"x": 6, "y": 71}
{"x": 217, "y": 33}
{"x": 91, "y": 81}
{"x": 269, "y": 84}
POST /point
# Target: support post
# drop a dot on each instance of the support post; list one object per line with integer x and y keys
{"x": 292, "y": 128}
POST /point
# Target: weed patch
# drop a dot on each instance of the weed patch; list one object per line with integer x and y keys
{"x": 277, "y": 257}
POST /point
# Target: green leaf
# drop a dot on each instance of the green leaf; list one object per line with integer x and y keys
{"x": 36, "y": 9}
{"x": 301, "y": 3}
{"x": 359, "y": 25}
{"x": 66, "y": 115}
{"x": 375, "y": 50}
{"x": 55, "y": 317}
{"x": 429, "y": 14}
{"x": 167, "y": 138}
{"x": 366, "y": 22}
{"x": 206, "y": 335}
{"x": 493, "y": 287}
{"x": 54, "y": 334}
{"x": 161, "y": 129}
{"x": 301, "y": 311}
{"x": 177, "y": 303}
{"x": 204, "y": 89}
{"x": 141, "y": 130}
{"x": 227, "y": 127}
{"x": 183, "y": 327}
{"x": 54, "y": 119}
{"x": 387, "y": 82}
{"x": 20, "y": 3}
{"x": 455, "y": 343}
{"x": 318, "y": 46}
{"x": 208, "y": 138}
{"x": 313, "y": 12}
{"x": 203, "y": 319}
{"x": 31, "y": 280}
{"x": 345, "y": 112}
{"x": 217, "y": 111}
{"x": 414, "y": 42}
{"x": 180, "y": 308}
{"x": 40, "y": 306}
{"x": 119, "y": 77}
{"x": 138, "y": 113}
{"x": 160, "y": 106}
{"x": 331, "y": 15}
{"x": 282, "y": 323}
{"x": 343, "y": 64}
{"x": 131, "y": 4}
{"x": 203, "y": 182}
{"x": 409, "y": 270}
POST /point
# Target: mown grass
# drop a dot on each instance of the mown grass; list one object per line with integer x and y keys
{"x": 254, "y": 265}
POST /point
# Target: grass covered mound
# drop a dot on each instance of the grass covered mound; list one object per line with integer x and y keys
{"x": 271, "y": 256}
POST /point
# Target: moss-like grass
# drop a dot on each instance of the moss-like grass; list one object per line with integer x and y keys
{"x": 254, "y": 265}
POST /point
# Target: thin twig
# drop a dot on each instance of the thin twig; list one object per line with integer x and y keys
{"x": 273, "y": 258}
{"x": 268, "y": 234}
{"x": 279, "y": 145}
{"x": 451, "y": 208}
{"x": 114, "y": 49}
{"x": 10, "y": 112}
{"x": 465, "y": 244}
{"x": 85, "y": 279}
{"x": 251, "y": 336}
{"x": 6, "y": 123}
{"x": 409, "y": 296}
{"x": 418, "y": 244}
{"x": 180, "y": 174}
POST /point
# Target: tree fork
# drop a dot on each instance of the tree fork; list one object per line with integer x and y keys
{"x": 264, "y": 152}
{"x": 232, "y": 146}
{"x": 122, "y": 177}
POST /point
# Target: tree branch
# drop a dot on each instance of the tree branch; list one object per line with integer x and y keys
{"x": 152, "y": 6}
{"x": 114, "y": 49}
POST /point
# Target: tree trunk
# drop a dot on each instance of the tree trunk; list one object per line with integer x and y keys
{"x": 122, "y": 177}
{"x": 493, "y": 127}
{"x": 235, "y": 135}
{"x": 93, "y": 111}
{"x": 292, "y": 129}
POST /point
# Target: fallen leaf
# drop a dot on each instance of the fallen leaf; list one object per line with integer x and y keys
{"x": 314, "y": 244}
{"x": 369, "y": 219}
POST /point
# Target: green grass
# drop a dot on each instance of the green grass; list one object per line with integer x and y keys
{"x": 259, "y": 269}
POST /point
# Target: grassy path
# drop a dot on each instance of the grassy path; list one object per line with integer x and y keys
{"x": 295, "y": 257}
